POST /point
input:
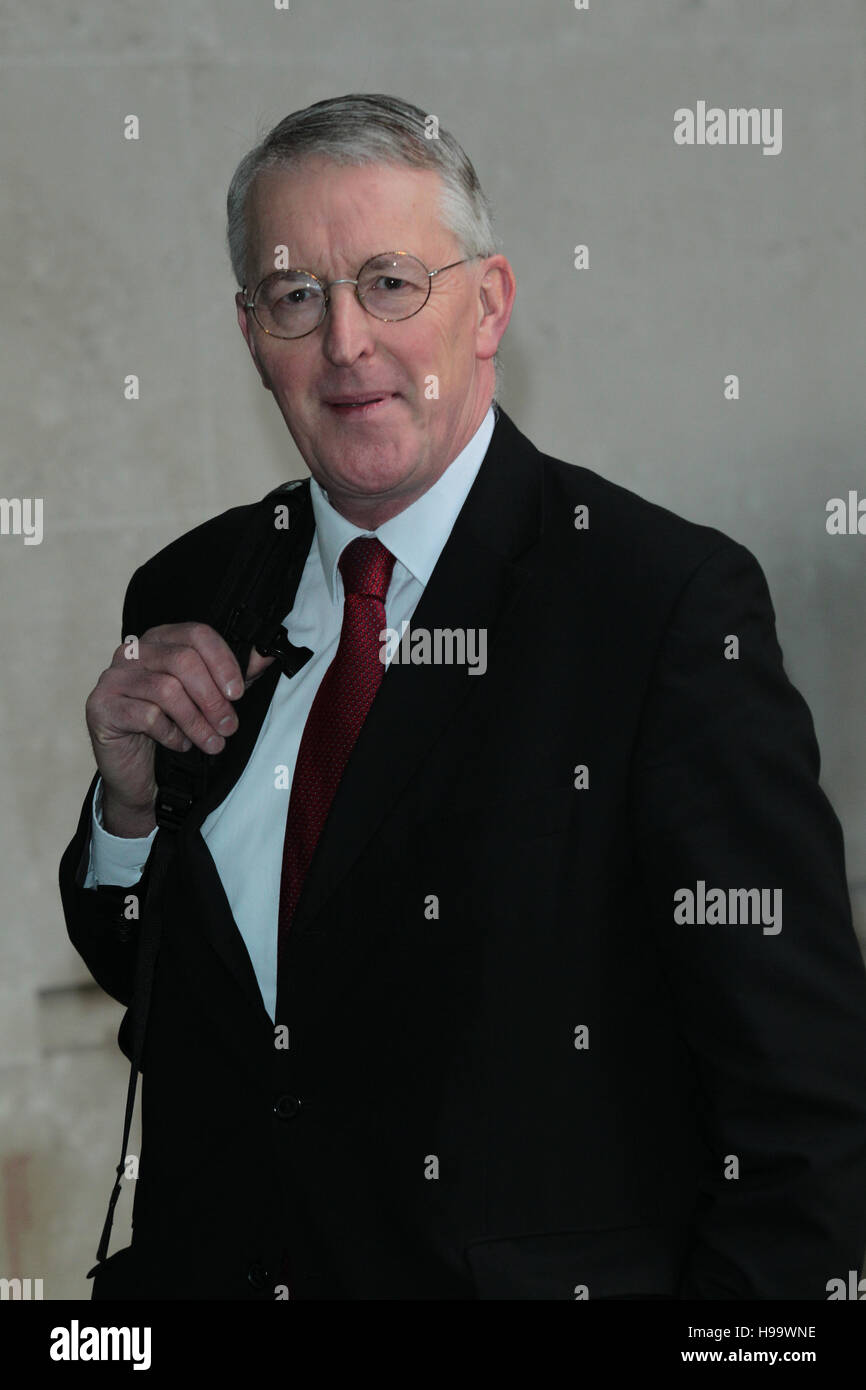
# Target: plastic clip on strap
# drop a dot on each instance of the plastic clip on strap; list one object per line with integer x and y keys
{"x": 290, "y": 657}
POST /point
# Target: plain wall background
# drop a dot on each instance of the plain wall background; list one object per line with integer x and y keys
{"x": 703, "y": 261}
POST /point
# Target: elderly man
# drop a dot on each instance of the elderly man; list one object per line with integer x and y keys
{"x": 529, "y": 976}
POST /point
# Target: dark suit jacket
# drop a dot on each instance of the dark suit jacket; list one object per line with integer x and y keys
{"x": 455, "y": 1136}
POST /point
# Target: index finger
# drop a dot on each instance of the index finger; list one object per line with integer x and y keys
{"x": 214, "y": 651}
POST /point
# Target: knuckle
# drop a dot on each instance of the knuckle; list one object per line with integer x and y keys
{"x": 101, "y": 691}
{"x": 166, "y": 688}
{"x": 186, "y": 662}
{"x": 151, "y": 717}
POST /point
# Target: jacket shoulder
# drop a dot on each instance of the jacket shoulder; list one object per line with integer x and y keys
{"x": 624, "y": 532}
{"x": 636, "y": 556}
{"x": 624, "y": 519}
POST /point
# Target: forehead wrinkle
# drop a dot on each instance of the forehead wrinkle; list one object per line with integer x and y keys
{"x": 351, "y": 262}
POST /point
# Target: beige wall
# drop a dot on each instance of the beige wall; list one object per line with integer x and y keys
{"x": 702, "y": 262}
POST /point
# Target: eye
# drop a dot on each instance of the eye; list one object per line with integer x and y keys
{"x": 296, "y": 296}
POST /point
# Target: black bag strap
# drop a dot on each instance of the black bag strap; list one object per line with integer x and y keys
{"x": 161, "y": 855}
{"x": 256, "y": 592}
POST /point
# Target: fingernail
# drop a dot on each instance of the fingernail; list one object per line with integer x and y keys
{"x": 214, "y": 744}
{"x": 227, "y": 723}
{"x": 234, "y": 689}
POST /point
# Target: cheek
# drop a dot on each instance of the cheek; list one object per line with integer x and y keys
{"x": 287, "y": 378}
{"x": 437, "y": 353}
{"x": 456, "y": 336}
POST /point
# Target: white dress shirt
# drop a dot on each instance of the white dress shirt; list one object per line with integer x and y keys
{"x": 245, "y": 833}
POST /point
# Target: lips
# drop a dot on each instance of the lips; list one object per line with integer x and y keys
{"x": 358, "y": 407}
{"x": 368, "y": 398}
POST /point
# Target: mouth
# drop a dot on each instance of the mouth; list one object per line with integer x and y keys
{"x": 357, "y": 406}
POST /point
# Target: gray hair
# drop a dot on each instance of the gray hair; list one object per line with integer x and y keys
{"x": 367, "y": 128}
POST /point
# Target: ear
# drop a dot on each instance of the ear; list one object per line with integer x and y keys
{"x": 495, "y": 301}
{"x": 245, "y": 325}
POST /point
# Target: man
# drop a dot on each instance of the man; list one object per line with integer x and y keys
{"x": 527, "y": 973}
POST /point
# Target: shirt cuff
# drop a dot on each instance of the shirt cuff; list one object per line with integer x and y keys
{"x": 113, "y": 858}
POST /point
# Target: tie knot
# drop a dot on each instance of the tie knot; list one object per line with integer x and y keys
{"x": 366, "y": 566}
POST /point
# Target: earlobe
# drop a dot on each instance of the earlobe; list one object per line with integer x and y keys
{"x": 496, "y": 294}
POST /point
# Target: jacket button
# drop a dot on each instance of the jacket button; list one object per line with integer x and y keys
{"x": 286, "y": 1107}
{"x": 258, "y": 1275}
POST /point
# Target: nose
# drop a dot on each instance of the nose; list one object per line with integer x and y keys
{"x": 348, "y": 328}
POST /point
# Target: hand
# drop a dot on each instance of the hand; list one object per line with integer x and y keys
{"x": 177, "y": 691}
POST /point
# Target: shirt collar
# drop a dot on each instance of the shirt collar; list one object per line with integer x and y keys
{"x": 415, "y": 536}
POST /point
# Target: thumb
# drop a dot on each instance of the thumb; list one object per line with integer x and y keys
{"x": 257, "y": 664}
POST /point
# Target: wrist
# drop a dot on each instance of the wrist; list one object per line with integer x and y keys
{"x": 128, "y": 821}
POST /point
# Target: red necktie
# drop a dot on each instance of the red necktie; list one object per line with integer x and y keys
{"x": 337, "y": 714}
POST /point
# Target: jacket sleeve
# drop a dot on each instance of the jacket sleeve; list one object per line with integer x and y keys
{"x": 771, "y": 999}
{"x": 103, "y": 922}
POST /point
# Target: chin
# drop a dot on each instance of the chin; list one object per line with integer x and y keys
{"x": 374, "y": 481}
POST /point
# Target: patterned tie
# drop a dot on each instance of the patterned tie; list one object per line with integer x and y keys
{"x": 335, "y": 719}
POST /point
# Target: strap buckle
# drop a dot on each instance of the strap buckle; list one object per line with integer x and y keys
{"x": 172, "y": 804}
{"x": 290, "y": 657}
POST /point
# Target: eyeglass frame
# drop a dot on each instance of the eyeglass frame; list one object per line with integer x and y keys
{"x": 326, "y": 286}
